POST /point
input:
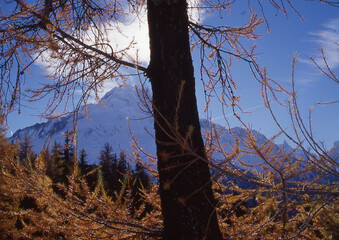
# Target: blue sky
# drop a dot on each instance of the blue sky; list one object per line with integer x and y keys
{"x": 288, "y": 35}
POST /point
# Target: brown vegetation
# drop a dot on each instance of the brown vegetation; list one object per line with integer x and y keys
{"x": 48, "y": 197}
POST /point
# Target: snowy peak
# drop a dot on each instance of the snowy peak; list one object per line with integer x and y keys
{"x": 41, "y": 130}
{"x": 113, "y": 123}
{"x": 121, "y": 96}
{"x": 108, "y": 123}
{"x": 119, "y": 104}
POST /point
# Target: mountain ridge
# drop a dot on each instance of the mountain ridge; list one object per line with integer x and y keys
{"x": 114, "y": 120}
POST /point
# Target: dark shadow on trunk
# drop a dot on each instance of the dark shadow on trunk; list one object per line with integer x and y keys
{"x": 188, "y": 205}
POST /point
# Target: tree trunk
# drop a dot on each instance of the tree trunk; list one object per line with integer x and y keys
{"x": 187, "y": 201}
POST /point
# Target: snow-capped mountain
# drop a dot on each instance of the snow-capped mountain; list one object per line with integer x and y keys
{"x": 109, "y": 122}
{"x": 113, "y": 121}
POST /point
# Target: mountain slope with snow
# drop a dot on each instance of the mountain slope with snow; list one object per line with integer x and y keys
{"x": 109, "y": 122}
{"x": 113, "y": 121}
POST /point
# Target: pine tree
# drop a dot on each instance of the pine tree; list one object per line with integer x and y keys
{"x": 141, "y": 184}
{"x": 26, "y": 153}
{"x": 50, "y": 164}
{"x": 83, "y": 161}
{"x": 141, "y": 176}
{"x": 122, "y": 167}
{"x": 87, "y": 171}
{"x": 68, "y": 155}
{"x": 57, "y": 165}
{"x": 108, "y": 163}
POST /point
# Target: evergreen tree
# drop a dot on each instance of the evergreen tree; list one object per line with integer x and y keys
{"x": 122, "y": 166}
{"x": 46, "y": 156}
{"x": 26, "y": 153}
{"x": 83, "y": 161}
{"x": 123, "y": 173}
{"x": 142, "y": 176}
{"x": 108, "y": 163}
{"x": 141, "y": 184}
{"x": 68, "y": 155}
{"x": 57, "y": 165}
{"x": 87, "y": 170}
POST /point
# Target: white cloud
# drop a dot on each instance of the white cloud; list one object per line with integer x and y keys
{"x": 135, "y": 29}
{"x": 193, "y": 11}
{"x": 129, "y": 39}
{"x": 328, "y": 39}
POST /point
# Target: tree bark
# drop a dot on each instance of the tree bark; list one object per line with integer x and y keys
{"x": 188, "y": 205}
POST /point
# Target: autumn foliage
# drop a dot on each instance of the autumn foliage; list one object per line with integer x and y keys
{"x": 34, "y": 206}
{"x": 55, "y": 194}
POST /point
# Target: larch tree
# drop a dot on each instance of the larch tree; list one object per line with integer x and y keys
{"x": 7, "y": 202}
{"x": 187, "y": 200}
{"x": 71, "y": 35}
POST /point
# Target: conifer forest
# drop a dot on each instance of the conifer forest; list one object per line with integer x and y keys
{"x": 195, "y": 186}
